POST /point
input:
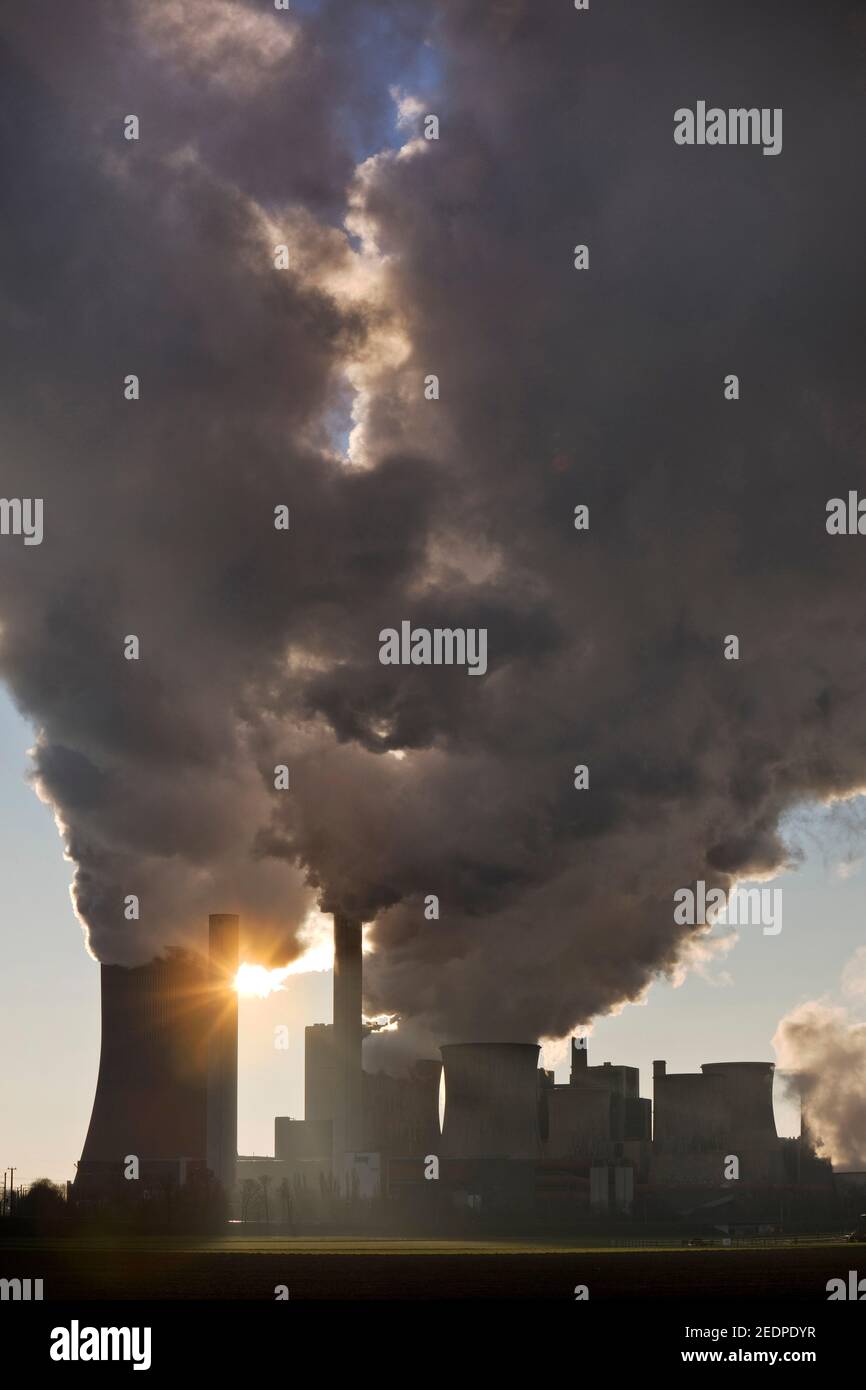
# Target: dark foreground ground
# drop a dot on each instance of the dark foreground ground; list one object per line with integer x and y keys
{"x": 412, "y": 1269}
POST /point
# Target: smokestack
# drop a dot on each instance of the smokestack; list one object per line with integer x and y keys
{"x": 579, "y": 1059}
{"x": 347, "y": 1035}
{"x": 222, "y": 1059}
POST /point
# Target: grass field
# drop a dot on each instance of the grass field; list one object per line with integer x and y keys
{"x": 239, "y": 1267}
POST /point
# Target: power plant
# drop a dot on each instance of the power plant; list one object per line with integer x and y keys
{"x": 512, "y": 1141}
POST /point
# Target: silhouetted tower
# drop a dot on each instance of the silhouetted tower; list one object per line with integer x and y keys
{"x": 167, "y": 1086}
{"x": 222, "y": 1060}
{"x": 347, "y": 1035}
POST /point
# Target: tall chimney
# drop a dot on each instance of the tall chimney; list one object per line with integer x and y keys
{"x": 222, "y": 1061}
{"x": 579, "y": 1060}
{"x": 347, "y": 1036}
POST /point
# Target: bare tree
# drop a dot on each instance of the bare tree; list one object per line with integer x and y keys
{"x": 249, "y": 1189}
{"x": 288, "y": 1204}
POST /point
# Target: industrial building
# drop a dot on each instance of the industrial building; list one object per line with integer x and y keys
{"x": 398, "y": 1115}
{"x": 598, "y": 1107}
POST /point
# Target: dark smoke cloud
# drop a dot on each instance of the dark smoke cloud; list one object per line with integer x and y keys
{"x": 557, "y": 388}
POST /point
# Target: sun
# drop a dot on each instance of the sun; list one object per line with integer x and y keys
{"x": 316, "y": 935}
{"x": 257, "y": 982}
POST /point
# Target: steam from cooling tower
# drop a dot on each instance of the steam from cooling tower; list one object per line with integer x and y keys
{"x": 824, "y": 1053}
{"x": 259, "y": 647}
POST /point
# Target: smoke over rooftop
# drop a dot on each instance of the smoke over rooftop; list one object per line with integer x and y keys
{"x": 558, "y": 387}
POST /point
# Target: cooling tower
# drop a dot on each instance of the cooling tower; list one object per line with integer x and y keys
{"x": 747, "y": 1088}
{"x": 347, "y": 1036}
{"x": 724, "y": 1104}
{"x": 169, "y": 1036}
{"x": 491, "y": 1100}
{"x": 151, "y": 1090}
{"x": 688, "y": 1109}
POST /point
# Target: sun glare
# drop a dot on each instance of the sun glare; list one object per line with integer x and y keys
{"x": 258, "y": 982}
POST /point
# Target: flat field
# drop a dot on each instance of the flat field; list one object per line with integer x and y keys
{"x": 238, "y": 1267}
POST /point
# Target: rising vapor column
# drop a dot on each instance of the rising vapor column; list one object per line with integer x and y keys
{"x": 222, "y": 1061}
{"x": 347, "y": 1036}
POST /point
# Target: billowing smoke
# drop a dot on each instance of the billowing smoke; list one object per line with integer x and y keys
{"x": 557, "y": 387}
{"x": 822, "y": 1048}
{"x": 825, "y": 1055}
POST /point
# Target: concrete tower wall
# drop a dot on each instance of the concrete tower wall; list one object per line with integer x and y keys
{"x": 577, "y": 1118}
{"x": 688, "y": 1107}
{"x": 151, "y": 1090}
{"x": 725, "y": 1104}
{"x": 320, "y": 1077}
{"x": 747, "y": 1092}
{"x": 491, "y": 1100}
{"x": 222, "y": 1075}
{"x": 347, "y": 1034}
{"x": 401, "y": 1113}
{"x": 166, "y": 1090}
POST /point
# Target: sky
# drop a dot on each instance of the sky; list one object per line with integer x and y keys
{"x": 242, "y": 280}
